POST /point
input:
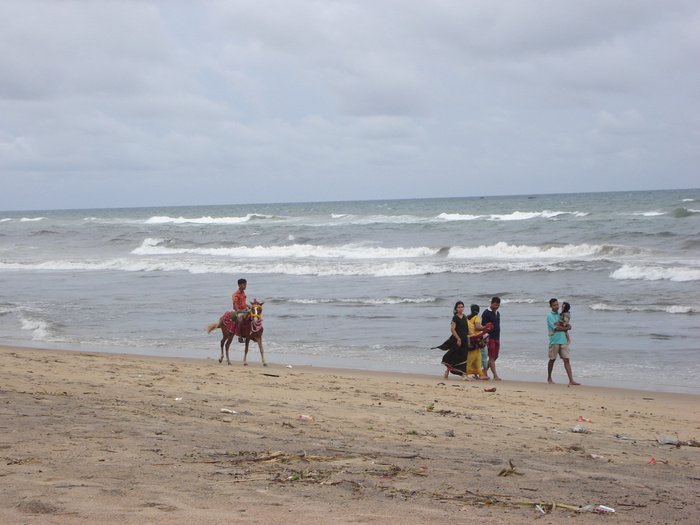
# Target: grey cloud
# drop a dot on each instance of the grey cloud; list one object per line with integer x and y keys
{"x": 320, "y": 100}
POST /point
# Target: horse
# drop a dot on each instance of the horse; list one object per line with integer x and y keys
{"x": 251, "y": 330}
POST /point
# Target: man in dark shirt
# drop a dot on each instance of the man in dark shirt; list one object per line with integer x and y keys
{"x": 494, "y": 343}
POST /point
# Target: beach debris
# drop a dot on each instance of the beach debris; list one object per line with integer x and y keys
{"x": 539, "y": 507}
{"x": 596, "y": 456}
{"x": 600, "y": 509}
{"x": 228, "y": 411}
{"x": 585, "y": 420}
{"x": 618, "y": 436}
{"x": 508, "y": 471}
{"x": 653, "y": 461}
{"x": 307, "y": 417}
{"x": 490, "y": 389}
{"x": 430, "y": 407}
{"x": 288, "y": 366}
{"x": 178, "y": 399}
{"x": 450, "y": 433}
{"x": 271, "y": 375}
{"x": 663, "y": 439}
{"x": 579, "y": 429}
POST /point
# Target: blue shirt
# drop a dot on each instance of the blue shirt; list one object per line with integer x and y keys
{"x": 557, "y": 338}
{"x": 495, "y": 320}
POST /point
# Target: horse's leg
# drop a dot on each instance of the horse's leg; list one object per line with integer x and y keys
{"x": 245, "y": 354}
{"x": 223, "y": 340}
{"x": 228, "y": 345}
{"x": 262, "y": 353}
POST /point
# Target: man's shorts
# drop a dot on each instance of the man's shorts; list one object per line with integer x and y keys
{"x": 561, "y": 350}
{"x": 494, "y": 348}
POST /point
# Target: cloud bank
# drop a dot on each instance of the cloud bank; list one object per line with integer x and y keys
{"x": 143, "y": 103}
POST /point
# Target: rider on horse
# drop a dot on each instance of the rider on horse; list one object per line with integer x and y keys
{"x": 240, "y": 306}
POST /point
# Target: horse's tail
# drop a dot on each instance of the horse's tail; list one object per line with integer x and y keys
{"x": 213, "y": 326}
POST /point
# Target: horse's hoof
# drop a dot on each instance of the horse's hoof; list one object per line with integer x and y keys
{"x": 221, "y": 360}
{"x": 245, "y": 364}
{"x": 264, "y": 364}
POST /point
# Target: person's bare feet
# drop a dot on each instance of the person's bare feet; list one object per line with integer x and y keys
{"x": 447, "y": 374}
{"x": 484, "y": 378}
{"x": 467, "y": 378}
{"x": 550, "y": 381}
{"x": 573, "y": 383}
{"x": 496, "y": 378}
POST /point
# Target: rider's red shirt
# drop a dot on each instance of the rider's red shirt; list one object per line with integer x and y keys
{"x": 239, "y": 300}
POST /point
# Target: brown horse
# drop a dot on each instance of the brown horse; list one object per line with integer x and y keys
{"x": 251, "y": 329}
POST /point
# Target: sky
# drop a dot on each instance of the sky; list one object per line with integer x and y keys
{"x": 156, "y": 103}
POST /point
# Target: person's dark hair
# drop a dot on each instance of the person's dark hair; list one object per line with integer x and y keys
{"x": 457, "y": 304}
{"x": 565, "y": 307}
{"x": 552, "y": 301}
{"x": 474, "y": 309}
{"x": 241, "y": 281}
{"x": 496, "y": 299}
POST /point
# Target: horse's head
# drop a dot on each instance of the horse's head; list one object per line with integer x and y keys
{"x": 256, "y": 310}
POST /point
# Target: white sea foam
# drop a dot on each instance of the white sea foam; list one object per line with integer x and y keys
{"x": 206, "y": 220}
{"x": 368, "y": 301}
{"x": 502, "y": 250}
{"x": 670, "y": 309}
{"x": 649, "y": 213}
{"x": 514, "y": 216}
{"x": 39, "y": 329}
{"x": 309, "y": 266}
{"x": 32, "y": 219}
{"x": 523, "y": 215}
{"x": 458, "y": 217}
{"x": 656, "y": 273}
{"x": 154, "y": 246}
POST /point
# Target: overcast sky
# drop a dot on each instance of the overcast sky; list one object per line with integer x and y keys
{"x": 149, "y": 103}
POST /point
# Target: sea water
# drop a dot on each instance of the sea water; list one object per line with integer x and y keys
{"x": 371, "y": 284}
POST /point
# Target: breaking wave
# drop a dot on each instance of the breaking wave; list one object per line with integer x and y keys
{"x": 656, "y": 273}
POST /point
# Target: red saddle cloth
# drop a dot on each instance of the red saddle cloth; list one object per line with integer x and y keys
{"x": 230, "y": 323}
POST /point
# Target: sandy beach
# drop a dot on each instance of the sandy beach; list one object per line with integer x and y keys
{"x": 88, "y": 437}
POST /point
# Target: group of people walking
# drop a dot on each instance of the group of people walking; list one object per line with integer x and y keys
{"x": 474, "y": 346}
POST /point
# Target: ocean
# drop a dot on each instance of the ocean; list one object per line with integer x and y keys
{"x": 371, "y": 284}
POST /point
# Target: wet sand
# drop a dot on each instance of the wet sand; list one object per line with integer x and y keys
{"x": 108, "y": 438}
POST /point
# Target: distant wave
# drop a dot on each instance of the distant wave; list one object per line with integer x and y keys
{"x": 649, "y": 213}
{"x": 345, "y": 219}
{"x": 656, "y": 273}
{"x": 501, "y": 250}
{"x": 32, "y": 219}
{"x": 514, "y": 216}
{"x": 670, "y": 309}
{"x": 290, "y": 266}
{"x": 206, "y": 220}
{"x": 368, "y": 301}
{"x": 458, "y": 217}
{"x": 154, "y": 246}
{"x": 523, "y": 216}
{"x": 682, "y": 213}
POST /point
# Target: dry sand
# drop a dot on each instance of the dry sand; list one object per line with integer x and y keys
{"x": 104, "y": 438}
